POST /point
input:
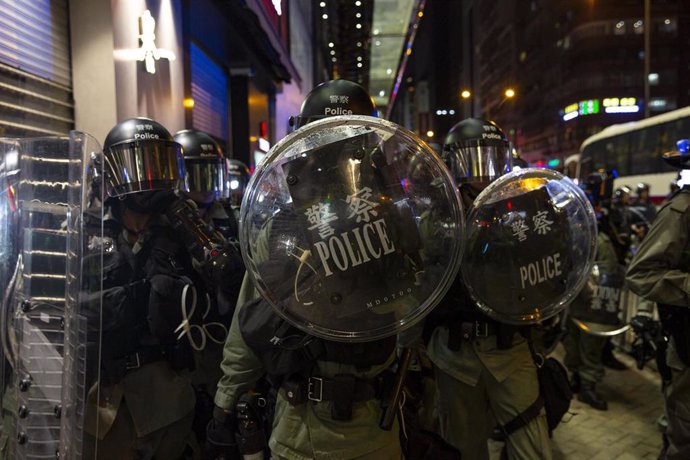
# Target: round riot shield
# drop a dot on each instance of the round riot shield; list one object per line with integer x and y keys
{"x": 351, "y": 229}
{"x": 597, "y": 310}
{"x": 531, "y": 238}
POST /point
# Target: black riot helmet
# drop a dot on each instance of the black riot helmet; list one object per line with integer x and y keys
{"x": 238, "y": 178}
{"x": 598, "y": 187}
{"x": 679, "y": 158}
{"x": 641, "y": 188}
{"x": 331, "y": 98}
{"x": 622, "y": 194}
{"x": 476, "y": 150}
{"x": 204, "y": 162}
{"x": 140, "y": 155}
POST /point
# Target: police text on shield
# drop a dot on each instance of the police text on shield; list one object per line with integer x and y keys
{"x": 542, "y": 270}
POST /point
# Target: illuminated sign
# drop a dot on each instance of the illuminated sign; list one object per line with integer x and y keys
{"x": 147, "y": 51}
{"x": 591, "y": 107}
{"x": 278, "y": 7}
{"x": 621, "y": 105}
{"x": 571, "y": 108}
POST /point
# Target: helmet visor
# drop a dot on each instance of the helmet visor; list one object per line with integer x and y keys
{"x": 137, "y": 166}
{"x": 479, "y": 162}
{"x": 206, "y": 176}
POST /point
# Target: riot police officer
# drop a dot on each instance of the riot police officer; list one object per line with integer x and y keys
{"x": 329, "y": 392}
{"x": 142, "y": 405}
{"x": 481, "y": 363}
{"x": 207, "y": 182}
{"x": 597, "y": 304}
{"x": 660, "y": 272}
{"x": 643, "y": 203}
{"x": 238, "y": 178}
{"x": 207, "y": 178}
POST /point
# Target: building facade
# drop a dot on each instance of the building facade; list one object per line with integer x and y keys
{"x": 576, "y": 67}
{"x": 234, "y": 69}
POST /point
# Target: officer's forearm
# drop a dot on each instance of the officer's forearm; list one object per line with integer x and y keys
{"x": 241, "y": 367}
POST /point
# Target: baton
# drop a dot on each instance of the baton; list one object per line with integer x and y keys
{"x": 386, "y": 422}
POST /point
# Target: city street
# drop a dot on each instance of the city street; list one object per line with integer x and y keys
{"x": 627, "y": 431}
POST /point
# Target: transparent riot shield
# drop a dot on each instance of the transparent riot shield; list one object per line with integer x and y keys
{"x": 531, "y": 238}
{"x": 39, "y": 181}
{"x": 351, "y": 228}
{"x": 87, "y": 247}
{"x": 597, "y": 309}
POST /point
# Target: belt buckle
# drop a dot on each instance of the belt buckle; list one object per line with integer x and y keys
{"x": 311, "y": 391}
{"x": 467, "y": 330}
{"x": 481, "y": 329}
{"x": 129, "y": 366}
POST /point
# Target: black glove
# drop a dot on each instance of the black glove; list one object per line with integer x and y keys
{"x": 203, "y": 412}
{"x": 220, "y": 437}
{"x": 642, "y": 324}
{"x": 165, "y": 304}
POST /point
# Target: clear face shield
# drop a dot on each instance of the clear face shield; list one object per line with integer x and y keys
{"x": 236, "y": 188}
{"x": 206, "y": 176}
{"x": 479, "y": 163}
{"x": 138, "y": 166}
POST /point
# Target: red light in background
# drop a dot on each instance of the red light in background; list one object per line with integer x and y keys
{"x": 263, "y": 130}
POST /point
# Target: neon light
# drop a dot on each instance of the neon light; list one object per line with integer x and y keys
{"x": 611, "y": 102}
{"x": 589, "y": 107}
{"x": 623, "y": 109}
{"x": 570, "y": 115}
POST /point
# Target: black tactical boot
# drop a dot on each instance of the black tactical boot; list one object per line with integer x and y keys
{"x": 575, "y": 382}
{"x": 589, "y": 396}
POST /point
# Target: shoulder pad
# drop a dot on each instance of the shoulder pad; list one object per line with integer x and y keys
{"x": 680, "y": 202}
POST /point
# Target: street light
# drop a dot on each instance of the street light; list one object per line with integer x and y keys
{"x": 509, "y": 93}
{"x": 465, "y": 94}
{"x": 430, "y": 133}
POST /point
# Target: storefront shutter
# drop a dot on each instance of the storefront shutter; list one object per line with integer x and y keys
{"x": 210, "y": 94}
{"x": 35, "y": 73}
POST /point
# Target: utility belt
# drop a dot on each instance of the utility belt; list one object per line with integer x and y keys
{"x": 114, "y": 370}
{"x": 342, "y": 391}
{"x": 469, "y": 330}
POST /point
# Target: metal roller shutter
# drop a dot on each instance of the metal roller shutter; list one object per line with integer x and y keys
{"x": 210, "y": 94}
{"x": 35, "y": 71}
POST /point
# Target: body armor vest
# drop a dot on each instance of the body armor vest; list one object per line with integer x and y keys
{"x": 284, "y": 349}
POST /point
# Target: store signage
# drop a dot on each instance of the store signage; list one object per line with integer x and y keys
{"x": 277, "y": 4}
{"x": 621, "y": 105}
{"x": 147, "y": 51}
{"x": 592, "y": 106}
